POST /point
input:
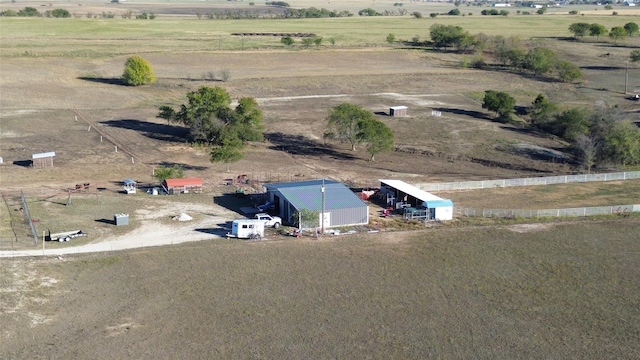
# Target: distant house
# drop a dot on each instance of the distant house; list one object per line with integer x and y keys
{"x": 342, "y": 207}
{"x": 183, "y": 186}
{"x": 501, "y": 5}
{"x": 629, "y": 3}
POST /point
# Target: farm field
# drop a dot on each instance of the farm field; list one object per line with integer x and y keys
{"x": 536, "y": 290}
{"x": 557, "y": 289}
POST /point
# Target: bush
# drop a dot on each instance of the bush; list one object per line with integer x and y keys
{"x": 163, "y": 173}
{"x": 138, "y": 71}
{"x": 277, "y": 3}
{"x": 58, "y": 13}
{"x": 608, "y": 7}
{"x": 433, "y": 15}
{"x": 573, "y": 12}
{"x": 454, "y": 12}
{"x": 417, "y": 15}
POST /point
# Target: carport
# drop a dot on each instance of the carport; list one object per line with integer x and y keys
{"x": 400, "y": 195}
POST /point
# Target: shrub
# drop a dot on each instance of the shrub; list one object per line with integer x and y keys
{"x": 417, "y": 15}
{"x": 454, "y": 12}
{"x": 573, "y": 12}
{"x": 138, "y": 71}
{"x": 433, "y": 15}
{"x": 58, "y": 13}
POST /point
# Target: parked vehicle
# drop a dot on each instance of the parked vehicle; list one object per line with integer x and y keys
{"x": 247, "y": 229}
{"x": 269, "y": 221}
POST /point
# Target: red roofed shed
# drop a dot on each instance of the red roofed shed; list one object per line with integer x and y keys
{"x": 186, "y": 185}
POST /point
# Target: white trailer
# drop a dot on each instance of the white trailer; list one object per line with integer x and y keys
{"x": 247, "y": 229}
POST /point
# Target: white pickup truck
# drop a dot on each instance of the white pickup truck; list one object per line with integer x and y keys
{"x": 269, "y": 221}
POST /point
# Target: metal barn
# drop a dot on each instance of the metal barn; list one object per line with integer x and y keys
{"x": 341, "y": 206}
{"x": 183, "y": 186}
{"x": 415, "y": 202}
{"x": 43, "y": 159}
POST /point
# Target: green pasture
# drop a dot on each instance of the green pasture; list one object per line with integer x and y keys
{"x": 82, "y": 37}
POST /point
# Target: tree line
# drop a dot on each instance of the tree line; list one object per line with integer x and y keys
{"x": 511, "y": 52}
{"x": 580, "y": 29}
{"x": 604, "y": 135}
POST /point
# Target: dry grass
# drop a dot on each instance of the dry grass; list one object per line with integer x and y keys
{"x": 566, "y": 290}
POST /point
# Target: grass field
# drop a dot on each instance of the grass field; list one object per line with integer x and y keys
{"x": 81, "y": 37}
{"x": 542, "y": 291}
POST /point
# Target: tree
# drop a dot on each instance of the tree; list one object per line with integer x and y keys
{"x": 305, "y": 219}
{"x": 377, "y": 135}
{"x": 540, "y": 60}
{"x": 617, "y": 33}
{"x": 212, "y": 121}
{"x": 570, "y": 124}
{"x": 542, "y": 111}
{"x": 317, "y": 40}
{"x": 417, "y": 14}
{"x": 579, "y": 29}
{"x": 454, "y": 12}
{"x": 344, "y": 123}
{"x": 542, "y": 10}
{"x": 499, "y": 102}
{"x": 450, "y": 35}
{"x": 391, "y": 38}
{"x": 138, "y": 71}
{"x": 568, "y": 71}
{"x": 622, "y": 144}
{"x": 597, "y": 30}
{"x": 229, "y": 151}
{"x": 587, "y": 150}
{"x": 163, "y": 173}
{"x": 631, "y": 28}
{"x": 287, "y": 40}
{"x": 58, "y": 13}
{"x": 634, "y": 56}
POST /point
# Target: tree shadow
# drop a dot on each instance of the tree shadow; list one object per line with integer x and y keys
{"x": 109, "y": 81}
{"x": 382, "y": 113}
{"x": 601, "y": 68}
{"x": 182, "y": 165}
{"x": 151, "y": 130}
{"x": 470, "y": 113}
{"x": 300, "y": 145}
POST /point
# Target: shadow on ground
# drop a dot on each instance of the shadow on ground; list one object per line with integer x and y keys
{"x": 151, "y": 130}
{"x": 471, "y": 113}
{"x": 300, "y": 145}
{"x": 233, "y": 202}
{"x": 110, "y": 81}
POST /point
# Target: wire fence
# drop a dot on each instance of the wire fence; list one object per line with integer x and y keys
{"x": 568, "y": 212}
{"x": 549, "y": 180}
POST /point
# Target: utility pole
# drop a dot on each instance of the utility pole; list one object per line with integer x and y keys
{"x": 626, "y": 77}
{"x": 322, "y": 214}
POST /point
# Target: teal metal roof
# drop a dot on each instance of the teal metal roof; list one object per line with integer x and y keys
{"x": 308, "y": 195}
{"x": 431, "y": 204}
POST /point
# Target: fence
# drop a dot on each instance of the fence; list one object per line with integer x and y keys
{"x": 570, "y": 212}
{"x": 549, "y": 180}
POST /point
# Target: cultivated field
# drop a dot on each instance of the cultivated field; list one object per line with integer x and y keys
{"x": 528, "y": 290}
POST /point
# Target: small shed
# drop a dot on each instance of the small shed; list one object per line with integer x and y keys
{"x": 43, "y": 159}
{"x": 401, "y": 195}
{"x": 342, "y": 207}
{"x": 130, "y": 186}
{"x": 183, "y": 186}
{"x": 398, "y": 111}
